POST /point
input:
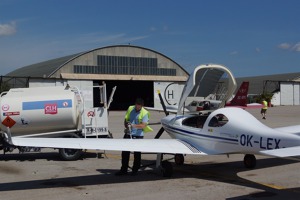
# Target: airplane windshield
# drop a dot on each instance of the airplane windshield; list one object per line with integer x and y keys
{"x": 194, "y": 103}
{"x": 218, "y": 120}
{"x": 195, "y": 121}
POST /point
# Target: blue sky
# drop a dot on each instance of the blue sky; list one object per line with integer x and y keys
{"x": 251, "y": 38}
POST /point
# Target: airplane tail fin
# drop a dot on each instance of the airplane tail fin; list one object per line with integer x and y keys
{"x": 240, "y": 99}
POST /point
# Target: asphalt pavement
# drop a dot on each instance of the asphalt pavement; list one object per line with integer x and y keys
{"x": 43, "y": 175}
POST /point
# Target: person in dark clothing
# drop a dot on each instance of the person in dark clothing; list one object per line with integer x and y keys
{"x": 136, "y": 123}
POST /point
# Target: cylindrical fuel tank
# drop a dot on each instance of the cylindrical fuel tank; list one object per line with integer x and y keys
{"x": 38, "y": 110}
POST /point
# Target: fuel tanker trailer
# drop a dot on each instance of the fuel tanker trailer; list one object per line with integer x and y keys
{"x": 51, "y": 112}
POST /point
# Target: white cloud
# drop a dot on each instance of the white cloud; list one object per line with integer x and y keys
{"x": 46, "y": 49}
{"x": 257, "y": 50}
{"x": 132, "y": 39}
{"x": 233, "y": 53}
{"x": 165, "y": 28}
{"x": 8, "y": 29}
{"x": 296, "y": 47}
{"x": 291, "y": 47}
{"x": 284, "y": 46}
{"x": 153, "y": 28}
{"x": 106, "y": 39}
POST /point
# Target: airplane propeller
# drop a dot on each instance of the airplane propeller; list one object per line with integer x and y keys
{"x": 159, "y": 133}
{"x": 161, "y": 130}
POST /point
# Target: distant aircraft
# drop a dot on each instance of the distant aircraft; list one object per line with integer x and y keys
{"x": 224, "y": 131}
{"x": 239, "y": 100}
{"x": 196, "y": 106}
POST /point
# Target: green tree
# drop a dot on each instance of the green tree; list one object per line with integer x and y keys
{"x": 266, "y": 96}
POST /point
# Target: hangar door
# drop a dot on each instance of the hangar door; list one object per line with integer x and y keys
{"x": 296, "y": 94}
{"x": 128, "y": 91}
{"x": 290, "y": 93}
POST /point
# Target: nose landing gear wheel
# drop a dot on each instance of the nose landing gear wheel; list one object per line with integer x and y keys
{"x": 249, "y": 161}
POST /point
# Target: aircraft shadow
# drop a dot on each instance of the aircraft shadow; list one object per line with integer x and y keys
{"x": 228, "y": 173}
{"x": 219, "y": 172}
{"x": 50, "y": 156}
{"x": 287, "y": 194}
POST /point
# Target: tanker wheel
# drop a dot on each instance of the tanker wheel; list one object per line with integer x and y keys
{"x": 70, "y": 154}
{"x": 249, "y": 161}
{"x": 179, "y": 159}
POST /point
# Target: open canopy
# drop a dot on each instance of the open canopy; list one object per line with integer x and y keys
{"x": 203, "y": 81}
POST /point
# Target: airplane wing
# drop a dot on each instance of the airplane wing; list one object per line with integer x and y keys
{"x": 254, "y": 105}
{"x": 248, "y": 106}
{"x": 171, "y": 146}
{"x": 284, "y": 152}
{"x": 170, "y": 109}
{"x": 290, "y": 129}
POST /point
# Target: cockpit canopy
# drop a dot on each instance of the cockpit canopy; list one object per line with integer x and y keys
{"x": 198, "y": 121}
{"x": 218, "y": 120}
{"x": 204, "y": 80}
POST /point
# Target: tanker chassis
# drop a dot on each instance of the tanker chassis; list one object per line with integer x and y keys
{"x": 52, "y": 112}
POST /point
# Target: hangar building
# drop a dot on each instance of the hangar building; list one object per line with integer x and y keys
{"x": 136, "y": 71}
{"x": 284, "y": 87}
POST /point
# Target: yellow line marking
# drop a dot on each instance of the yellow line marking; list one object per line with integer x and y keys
{"x": 277, "y": 187}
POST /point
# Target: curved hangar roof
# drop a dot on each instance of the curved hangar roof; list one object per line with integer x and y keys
{"x": 121, "y": 62}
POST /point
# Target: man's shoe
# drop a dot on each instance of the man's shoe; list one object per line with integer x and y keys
{"x": 121, "y": 173}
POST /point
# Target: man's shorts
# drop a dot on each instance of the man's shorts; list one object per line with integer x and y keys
{"x": 263, "y": 111}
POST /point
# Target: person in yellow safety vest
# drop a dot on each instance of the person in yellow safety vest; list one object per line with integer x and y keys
{"x": 136, "y": 120}
{"x": 264, "y": 108}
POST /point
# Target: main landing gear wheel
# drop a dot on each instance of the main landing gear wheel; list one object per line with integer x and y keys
{"x": 179, "y": 159}
{"x": 249, "y": 161}
{"x": 70, "y": 154}
{"x": 166, "y": 169}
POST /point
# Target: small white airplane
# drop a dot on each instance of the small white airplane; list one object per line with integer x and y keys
{"x": 225, "y": 131}
{"x": 239, "y": 100}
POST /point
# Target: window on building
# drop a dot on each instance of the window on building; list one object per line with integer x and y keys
{"x": 125, "y": 65}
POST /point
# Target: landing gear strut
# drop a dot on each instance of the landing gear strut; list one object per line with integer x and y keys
{"x": 165, "y": 167}
{"x": 179, "y": 159}
{"x": 249, "y": 161}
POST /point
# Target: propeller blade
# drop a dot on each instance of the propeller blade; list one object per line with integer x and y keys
{"x": 162, "y": 103}
{"x": 161, "y": 130}
{"x": 154, "y": 123}
{"x": 159, "y": 133}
